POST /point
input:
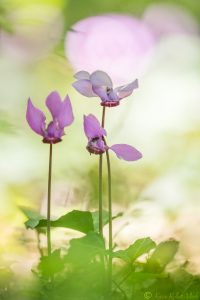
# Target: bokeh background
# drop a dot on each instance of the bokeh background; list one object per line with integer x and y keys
{"x": 42, "y": 44}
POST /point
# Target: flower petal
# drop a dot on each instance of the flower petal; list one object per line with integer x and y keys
{"x": 101, "y": 145}
{"x": 84, "y": 87}
{"x": 101, "y": 91}
{"x": 35, "y": 118}
{"x": 53, "y": 131}
{"x": 100, "y": 78}
{"x": 126, "y": 152}
{"x": 54, "y": 103}
{"x": 82, "y": 75}
{"x": 92, "y": 127}
{"x": 126, "y": 90}
{"x": 65, "y": 117}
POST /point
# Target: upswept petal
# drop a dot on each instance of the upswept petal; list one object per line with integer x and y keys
{"x": 101, "y": 91}
{"x": 113, "y": 96}
{"x": 126, "y": 90}
{"x": 53, "y": 131}
{"x": 54, "y": 103}
{"x": 126, "y": 152}
{"x": 35, "y": 118}
{"x": 82, "y": 75}
{"x": 100, "y": 78}
{"x": 65, "y": 117}
{"x": 84, "y": 87}
{"x": 101, "y": 145}
{"x": 92, "y": 127}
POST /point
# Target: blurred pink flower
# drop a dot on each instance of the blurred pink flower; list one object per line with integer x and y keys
{"x": 120, "y": 45}
{"x": 165, "y": 19}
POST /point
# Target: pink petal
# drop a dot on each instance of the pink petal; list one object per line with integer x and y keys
{"x": 54, "y": 103}
{"x": 126, "y": 90}
{"x": 35, "y": 118}
{"x": 84, "y": 87}
{"x": 82, "y": 75}
{"x": 101, "y": 91}
{"x": 65, "y": 117}
{"x": 92, "y": 127}
{"x": 100, "y": 78}
{"x": 53, "y": 131}
{"x": 126, "y": 152}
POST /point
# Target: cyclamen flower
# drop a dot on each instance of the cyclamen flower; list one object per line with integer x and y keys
{"x": 96, "y": 142}
{"x": 62, "y": 115}
{"x": 99, "y": 84}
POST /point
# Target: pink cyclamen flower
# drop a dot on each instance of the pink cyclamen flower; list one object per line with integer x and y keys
{"x": 96, "y": 143}
{"x": 62, "y": 115}
{"x": 99, "y": 84}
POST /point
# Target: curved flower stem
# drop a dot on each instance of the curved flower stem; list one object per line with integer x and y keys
{"x": 100, "y": 182}
{"x": 110, "y": 222}
{"x": 49, "y": 203}
{"x": 100, "y": 196}
{"x": 109, "y": 209}
{"x": 103, "y": 116}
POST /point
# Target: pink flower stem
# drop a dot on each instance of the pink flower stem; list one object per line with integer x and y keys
{"x": 49, "y": 203}
{"x": 100, "y": 196}
{"x": 110, "y": 242}
{"x": 110, "y": 222}
{"x": 100, "y": 182}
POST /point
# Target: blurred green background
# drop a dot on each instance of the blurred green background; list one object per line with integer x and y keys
{"x": 159, "y": 194}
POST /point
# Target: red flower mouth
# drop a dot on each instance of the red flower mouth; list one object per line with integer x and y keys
{"x": 51, "y": 140}
{"x": 94, "y": 150}
{"x": 109, "y": 103}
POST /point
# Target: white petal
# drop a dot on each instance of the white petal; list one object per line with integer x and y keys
{"x": 100, "y": 78}
{"x": 82, "y": 75}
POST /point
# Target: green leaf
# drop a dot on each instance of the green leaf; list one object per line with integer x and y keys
{"x": 163, "y": 255}
{"x": 50, "y": 265}
{"x": 83, "y": 221}
{"x": 85, "y": 249}
{"x": 138, "y": 248}
{"x": 33, "y": 217}
{"x": 76, "y": 219}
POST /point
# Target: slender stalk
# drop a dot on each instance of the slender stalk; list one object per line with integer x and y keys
{"x": 103, "y": 116}
{"x": 100, "y": 182}
{"x": 100, "y": 196}
{"x": 49, "y": 203}
{"x": 110, "y": 242}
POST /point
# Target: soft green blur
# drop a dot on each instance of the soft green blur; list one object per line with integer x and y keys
{"x": 159, "y": 194}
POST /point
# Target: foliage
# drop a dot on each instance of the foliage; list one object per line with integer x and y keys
{"x": 142, "y": 271}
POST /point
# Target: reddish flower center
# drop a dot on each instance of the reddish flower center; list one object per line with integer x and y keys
{"x": 109, "y": 103}
{"x": 96, "y": 146}
{"x": 51, "y": 140}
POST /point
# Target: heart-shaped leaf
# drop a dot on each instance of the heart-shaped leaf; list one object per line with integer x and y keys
{"x": 163, "y": 255}
{"x": 76, "y": 219}
{"x": 83, "y": 221}
{"x": 50, "y": 265}
{"x": 138, "y": 248}
{"x": 86, "y": 248}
